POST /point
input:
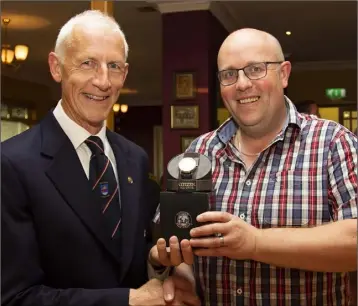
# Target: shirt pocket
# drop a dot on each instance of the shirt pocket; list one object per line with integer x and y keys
{"x": 293, "y": 200}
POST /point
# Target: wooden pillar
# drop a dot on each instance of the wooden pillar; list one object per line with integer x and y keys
{"x": 105, "y": 7}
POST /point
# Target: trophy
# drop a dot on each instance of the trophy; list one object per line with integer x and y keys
{"x": 189, "y": 193}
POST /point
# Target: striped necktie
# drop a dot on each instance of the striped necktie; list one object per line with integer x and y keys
{"x": 104, "y": 185}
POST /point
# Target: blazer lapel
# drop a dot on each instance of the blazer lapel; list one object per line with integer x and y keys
{"x": 69, "y": 178}
{"x": 129, "y": 178}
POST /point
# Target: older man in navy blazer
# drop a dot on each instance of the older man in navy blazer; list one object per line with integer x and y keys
{"x": 75, "y": 209}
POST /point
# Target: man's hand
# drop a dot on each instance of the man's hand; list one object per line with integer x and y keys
{"x": 182, "y": 288}
{"x": 237, "y": 240}
{"x": 177, "y": 254}
{"x": 152, "y": 293}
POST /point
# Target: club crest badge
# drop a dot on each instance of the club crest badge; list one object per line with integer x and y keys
{"x": 183, "y": 219}
{"x": 103, "y": 187}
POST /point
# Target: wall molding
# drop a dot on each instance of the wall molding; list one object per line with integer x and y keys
{"x": 324, "y": 65}
{"x": 165, "y": 6}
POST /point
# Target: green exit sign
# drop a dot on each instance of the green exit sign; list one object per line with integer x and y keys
{"x": 336, "y": 93}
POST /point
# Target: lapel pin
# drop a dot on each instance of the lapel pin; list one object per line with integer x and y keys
{"x": 130, "y": 180}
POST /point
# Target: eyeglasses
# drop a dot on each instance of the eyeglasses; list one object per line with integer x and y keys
{"x": 253, "y": 72}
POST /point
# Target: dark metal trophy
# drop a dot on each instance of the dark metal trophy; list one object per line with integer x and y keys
{"x": 189, "y": 193}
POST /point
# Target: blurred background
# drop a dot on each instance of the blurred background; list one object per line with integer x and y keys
{"x": 174, "y": 42}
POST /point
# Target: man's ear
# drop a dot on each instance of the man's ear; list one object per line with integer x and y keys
{"x": 125, "y": 71}
{"x": 55, "y": 66}
{"x": 285, "y": 73}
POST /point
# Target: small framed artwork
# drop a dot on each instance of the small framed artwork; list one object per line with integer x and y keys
{"x": 185, "y": 141}
{"x": 184, "y": 85}
{"x": 184, "y": 117}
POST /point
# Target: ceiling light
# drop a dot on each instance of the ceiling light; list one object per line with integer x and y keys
{"x": 21, "y": 52}
{"x": 8, "y": 55}
{"x": 288, "y": 33}
{"x": 116, "y": 108}
{"x": 124, "y": 108}
{"x": 128, "y": 91}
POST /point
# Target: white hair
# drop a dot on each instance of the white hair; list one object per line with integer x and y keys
{"x": 87, "y": 19}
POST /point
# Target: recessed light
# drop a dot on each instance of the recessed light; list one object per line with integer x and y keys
{"x": 288, "y": 33}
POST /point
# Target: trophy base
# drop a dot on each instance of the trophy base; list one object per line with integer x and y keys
{"x": 178, "y": 212}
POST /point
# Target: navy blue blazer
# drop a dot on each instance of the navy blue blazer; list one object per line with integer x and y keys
{"x": 55, "y": 250}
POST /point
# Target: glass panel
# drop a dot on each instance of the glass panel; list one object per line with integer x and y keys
{"x": 346, "y": 114}
{"x": 354, "y": 114}
{"x": 331, "y": 113}
{"x": 354, "y": 126}
{"x": 347, "y": 123}
{"x": 222, "y": 115}
{"x": 5, "y": 111}
{"x": 20, "y": 113}
{"x": 11, "y": 128}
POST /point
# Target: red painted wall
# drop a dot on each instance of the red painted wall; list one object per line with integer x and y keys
{"x": 190, "y": 43}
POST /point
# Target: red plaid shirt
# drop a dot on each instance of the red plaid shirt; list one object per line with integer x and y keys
{"x": 307, "y": 177}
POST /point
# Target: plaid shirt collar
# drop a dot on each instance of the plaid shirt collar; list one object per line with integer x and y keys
{"x": 227, "y": 130}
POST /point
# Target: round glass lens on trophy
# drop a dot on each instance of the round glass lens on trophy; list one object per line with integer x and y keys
{"x": 187, "y": 164}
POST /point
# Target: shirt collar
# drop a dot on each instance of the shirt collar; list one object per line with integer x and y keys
{"x": 76, "y": 133}
{"x": 228, "y": 129}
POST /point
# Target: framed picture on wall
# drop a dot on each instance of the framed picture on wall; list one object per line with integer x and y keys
{"x": 184, "y": 85}
{"x": 184, "y": 117}
{"x": 185, "y": 141}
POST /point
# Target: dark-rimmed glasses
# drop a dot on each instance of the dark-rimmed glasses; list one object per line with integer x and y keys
{"x": 253, "y": 72}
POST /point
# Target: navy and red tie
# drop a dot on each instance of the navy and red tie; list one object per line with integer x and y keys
{"x": 104, "y": 185}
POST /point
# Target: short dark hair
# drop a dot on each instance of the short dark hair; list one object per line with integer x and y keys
{"x": 304, "y": 106}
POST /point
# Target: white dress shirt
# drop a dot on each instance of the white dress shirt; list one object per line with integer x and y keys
{"x": 78, "y": 135}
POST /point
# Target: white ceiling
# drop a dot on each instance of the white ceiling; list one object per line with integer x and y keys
{"x": 321, "y": 31}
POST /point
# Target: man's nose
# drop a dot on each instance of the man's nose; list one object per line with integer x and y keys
{"x": 101, "y": 79}
{"x": 243, "y": 82}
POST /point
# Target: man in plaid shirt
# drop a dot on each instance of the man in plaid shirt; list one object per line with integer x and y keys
{"x": 286, "y": 186}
